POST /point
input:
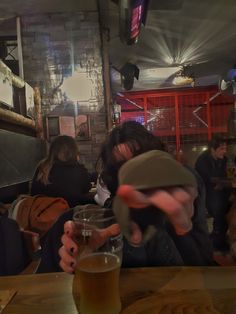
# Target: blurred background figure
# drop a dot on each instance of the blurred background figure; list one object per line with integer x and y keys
{"x": 61, "y": 174}
{"x": 212, "y": 167}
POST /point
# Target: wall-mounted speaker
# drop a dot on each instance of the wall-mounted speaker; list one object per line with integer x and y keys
{"x": 128, "y": 72}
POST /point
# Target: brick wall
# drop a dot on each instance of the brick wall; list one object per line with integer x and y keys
{"x": 57, "y": 47}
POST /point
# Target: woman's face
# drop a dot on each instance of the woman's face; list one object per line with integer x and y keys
{"x": 122, "y": 152}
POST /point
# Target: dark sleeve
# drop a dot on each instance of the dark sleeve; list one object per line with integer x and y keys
{"x": 36, "y": 186}
{"x": 203, "y": 168}
{"x": 195, "y": 247}
{"x": 14, "y": 255}
{"x": 162, "y": 251}
{"x": 51, "y": 244}
{"x": 86, "y": 186}
{"x": 82, "y": 195}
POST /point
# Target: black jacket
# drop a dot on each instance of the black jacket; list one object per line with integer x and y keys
{"x": 210, "y": 168}
{"x": 67, "y": 180}
{"x": 195, "y": 247}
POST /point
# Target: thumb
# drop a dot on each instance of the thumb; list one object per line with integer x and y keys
{"x": 110, "y": 231}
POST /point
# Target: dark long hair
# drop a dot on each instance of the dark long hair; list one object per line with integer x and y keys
{"x": 137, "y": 138}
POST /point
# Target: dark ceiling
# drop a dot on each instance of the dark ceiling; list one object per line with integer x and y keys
{"x": 198, "y": 34}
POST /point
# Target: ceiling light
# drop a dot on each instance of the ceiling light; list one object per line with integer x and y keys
{"x": 183, "y": 77}
{"x": 182, "y": 80}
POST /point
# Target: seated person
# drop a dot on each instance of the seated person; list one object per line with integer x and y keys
{"x": 61, "y": 175}
{"x": 165, "y": 248}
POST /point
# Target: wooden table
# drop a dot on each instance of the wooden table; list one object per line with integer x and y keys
{"x": 143, "y": 290}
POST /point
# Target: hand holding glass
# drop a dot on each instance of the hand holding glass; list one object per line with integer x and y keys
{"x": 96, "y": 280}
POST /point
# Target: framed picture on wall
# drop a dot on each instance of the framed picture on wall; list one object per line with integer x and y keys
{"x": 82, "y": 127}
{"x": 60, "y": 125}
{"x": 6, "y": 89}
{"x": 75, "y": 126}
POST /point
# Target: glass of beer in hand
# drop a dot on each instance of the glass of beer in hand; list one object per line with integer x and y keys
{"x": 96, "y": 280}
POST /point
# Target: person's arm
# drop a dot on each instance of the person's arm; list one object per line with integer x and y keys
{"x": 203, "y": 168}
{"x": 195, "y": 247}
{"x": 85, "y": 179}
{"x": 37, "y": 187}
{"x": 51, "y": 244}
{"x": 82, "y": 188}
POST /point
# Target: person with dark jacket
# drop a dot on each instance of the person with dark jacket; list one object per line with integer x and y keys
{"x": 212, "y": 167}
{"x": 166, "y": 248}
{"x": 61, "y": 175}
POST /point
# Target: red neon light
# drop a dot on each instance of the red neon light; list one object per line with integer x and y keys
{"x": 136, "y": 21}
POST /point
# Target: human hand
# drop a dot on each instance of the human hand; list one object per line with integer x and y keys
{"x": 71, "y": 243}
{"x": 175, "y": 202}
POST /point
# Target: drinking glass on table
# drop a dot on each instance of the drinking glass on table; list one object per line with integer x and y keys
{"x": 96, "y": 279}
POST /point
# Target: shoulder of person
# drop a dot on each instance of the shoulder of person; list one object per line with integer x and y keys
{"x": 205, "y": 157}
{"x": 81, "y": 167}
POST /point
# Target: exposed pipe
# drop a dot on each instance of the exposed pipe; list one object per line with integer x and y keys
{"x": 197, "y": 117}
{"x": 15, "y": 118}
{"x": 38, "y": 113}
{"x": 16, "y": 80}
{"x": 19, "y": 46}
{"x": 104, "y": 35}
{"x": 214, "y": 96}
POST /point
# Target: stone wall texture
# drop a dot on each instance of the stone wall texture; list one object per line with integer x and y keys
{"x": 62, "y": 55}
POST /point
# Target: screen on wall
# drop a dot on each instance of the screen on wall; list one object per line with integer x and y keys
{"x": 132, "y": 14}
{"x": 6, "y": 91}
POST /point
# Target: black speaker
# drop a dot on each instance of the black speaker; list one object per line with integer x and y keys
{"x": 128, "y": 72}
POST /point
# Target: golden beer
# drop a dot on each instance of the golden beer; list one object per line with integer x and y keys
{"x": 96, "y": 283}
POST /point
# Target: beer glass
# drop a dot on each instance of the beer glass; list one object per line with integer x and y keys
{"x": 96, "y": 279}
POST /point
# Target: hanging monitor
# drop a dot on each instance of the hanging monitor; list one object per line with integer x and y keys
{"x": 132, "y": 14}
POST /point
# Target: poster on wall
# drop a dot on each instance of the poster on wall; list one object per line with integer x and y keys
{"x": 82, "y": 127}
{"x": 6, "y": 91}
{"x": 29, "y": 99}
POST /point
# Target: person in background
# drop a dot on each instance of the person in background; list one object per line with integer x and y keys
{"x": 61, "y": 175}
{"x": 212, "y": 167}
